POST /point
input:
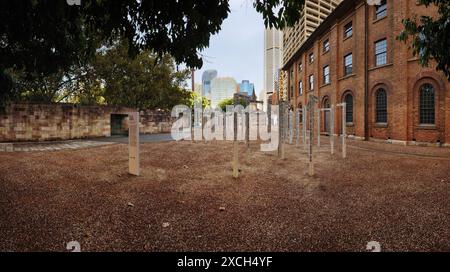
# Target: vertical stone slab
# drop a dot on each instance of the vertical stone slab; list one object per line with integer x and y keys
{"x": 311, "y": 137}
{"x": 133, "y": 140}
{"x": 344, "y": 130}
{"x": 297, "y": 122}
{"x": 235, "y": 148}
{"x": 304, "y": 112}
{"x": 319, "y": 113}
{"x": 332, "y": 130}
{"x": 291, "y": 126}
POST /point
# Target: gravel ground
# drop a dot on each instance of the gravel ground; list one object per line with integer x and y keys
{"x": 186, "y": 199}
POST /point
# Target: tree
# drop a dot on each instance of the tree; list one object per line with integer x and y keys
{"x": 43, "y": 37}
{"x": 431, "y": 36}
{"x": 145, "y": 82}
{"x": 195, "y": 97}
{"x": 111, "y": 77}
{"x": 230, "y": 102}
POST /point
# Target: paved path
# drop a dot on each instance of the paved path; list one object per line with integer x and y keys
{"x": 147, "y": 138}
{"x": 78, "y": 144}
{"x": 51, "y": 146}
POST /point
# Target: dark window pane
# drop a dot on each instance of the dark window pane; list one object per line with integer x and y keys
{"x": 381, "y": 106}
{"x": 349, "y": 111}
{"x": 427, "y": 105}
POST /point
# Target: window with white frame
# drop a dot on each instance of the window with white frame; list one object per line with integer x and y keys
{"x": 348, "y": 64}
{"x": 326, "y": 75}
{"x": 381, "y": 52}
{"x": 348, "y": 30}
{"x": 381, "y": 9}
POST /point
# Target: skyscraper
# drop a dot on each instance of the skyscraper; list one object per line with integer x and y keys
{"x": 273, "y": 60}
{"x": 273, "y": 57}
{"x": 207, "y": 78}
{"x": 247, "y": 87}
{"x": 312, "y": 16}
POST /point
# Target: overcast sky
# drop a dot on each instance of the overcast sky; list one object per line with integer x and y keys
{"x": 238, "y": 50}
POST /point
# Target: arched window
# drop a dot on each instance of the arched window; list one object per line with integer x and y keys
{"x": 349, "y": 113}
{"x": 326, "y": 103}
{"x": 381, "y": 106}
{"x": 427, "y": 105}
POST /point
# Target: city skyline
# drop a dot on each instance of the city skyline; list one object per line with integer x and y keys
{"x": 237, "y": 51}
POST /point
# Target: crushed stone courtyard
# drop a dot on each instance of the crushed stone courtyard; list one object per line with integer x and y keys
{"x": 187, "y": 200}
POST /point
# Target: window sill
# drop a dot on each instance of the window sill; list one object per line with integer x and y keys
{"x": 381, "y": 125}
{"x": 427, "y": 127}
{"x": 381, "y": 66}
{"x": 350, "y": 124}
{"x": 347, "y": 76}
{"x": 413, "y": 59}
{"x": 379, "y": 19}
{"x": 346, "y": 38}
{"x": 325, "y": 52}
{"x": 325, "y": 85}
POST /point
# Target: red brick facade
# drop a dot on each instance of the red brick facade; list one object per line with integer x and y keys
{"x": 400, "y": 76}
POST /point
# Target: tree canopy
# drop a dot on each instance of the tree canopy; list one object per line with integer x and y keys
{"x": 431, "y": 36}
{"x": 44, "y": 37}
{"x": 230, "y": 102}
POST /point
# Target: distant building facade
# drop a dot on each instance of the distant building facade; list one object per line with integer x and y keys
{"x": 247, "y": 87}
{"x": 207, "y": 79}
{"x": 222, "y": 88}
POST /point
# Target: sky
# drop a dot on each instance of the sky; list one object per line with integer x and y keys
{"x": 238, "y": 49}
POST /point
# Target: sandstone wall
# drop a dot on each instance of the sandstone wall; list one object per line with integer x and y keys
{"x": 44, "y": 122}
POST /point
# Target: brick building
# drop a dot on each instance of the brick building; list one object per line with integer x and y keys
{"x": 354, "y": 57}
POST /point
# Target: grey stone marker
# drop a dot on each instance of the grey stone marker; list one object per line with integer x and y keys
{"x": 297, "y": 122}
{"x": 133, "y": 141}
{"x": 332, "y": 130}
{"x": 344, "y": 129}
{"x": 280, "y": 129}
{"x": 311, "y": 104}
{"x": 319, "y": 113}
{"x": 304, "y": 113}
{"x": 291, "y": 126}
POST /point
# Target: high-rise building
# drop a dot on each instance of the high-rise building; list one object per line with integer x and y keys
{"x": 273, "y": 57}
{"x": 314, "y": 13}
{"x": 273, "y": 60}
{"x": 222, "y": 88}
{"x": 207, "y": 78}
{"x": 247, "y": 87}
